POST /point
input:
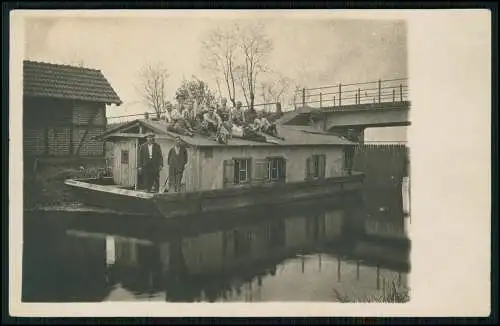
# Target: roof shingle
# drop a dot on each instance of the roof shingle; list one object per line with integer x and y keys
{"x": 67, "y": 82}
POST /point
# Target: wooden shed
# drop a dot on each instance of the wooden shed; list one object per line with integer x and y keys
{"x": 64, "y": 110}
{"x": 302, "y": 155}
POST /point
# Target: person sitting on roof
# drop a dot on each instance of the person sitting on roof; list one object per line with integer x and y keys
{"x": 177, "y": 122}
{"x": 225, "y": 114}
{"x": 250, "y": 115}
{"x": 211, "y": 120}
{"x": 222, "y": 110}
{"x": 237, "y": 115}
{"x": 189, "y": 115}
{"x": 267, "y": 127}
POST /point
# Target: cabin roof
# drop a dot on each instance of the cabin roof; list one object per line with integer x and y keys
{"x": 293, "y": 135}
{"x": 43, "y": 79}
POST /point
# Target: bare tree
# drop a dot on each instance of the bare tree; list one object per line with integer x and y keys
{"x": 152, "y": 87}
{"x": 276, "y": 88}
{"x": 255, "y": 46}
{"x": 219, "y": 50}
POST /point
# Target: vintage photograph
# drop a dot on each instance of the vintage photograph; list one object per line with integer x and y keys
{"x": 210, "y": 158}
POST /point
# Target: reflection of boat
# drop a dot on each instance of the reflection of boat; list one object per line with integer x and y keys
{"x": 187, "y": 262}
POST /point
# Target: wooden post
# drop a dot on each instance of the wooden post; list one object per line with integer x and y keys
{"x": 378, "y": 277}
{"x": 379, "y": 90}
{"x": 334, "y": 100}
{"x": 278, "y": 108}
{"x": 393, "y": 95}
{"x": 340, "y": 94}
{"x": 46, "y": 136}
{"x": 355, "y": 98}
{"x": 137, "y": 162}
{"x": 320, "y": 100}
{"x": 71, "y": 151}
{"x": 338, "y": 269}
{"x": 303, "y": 97}
{"x": 359, "y": 96}
{"x": 401, "y": 92}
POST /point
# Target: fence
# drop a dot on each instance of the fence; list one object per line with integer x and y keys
{"x": 382, "y": 164}
{"x": 380, "y": 91}
{"x": 276, "y": 107}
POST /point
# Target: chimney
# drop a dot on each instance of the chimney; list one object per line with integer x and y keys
{"x": 278, "y": 109}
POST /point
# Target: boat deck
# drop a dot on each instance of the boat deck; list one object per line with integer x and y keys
{"x": 185, "y": 203}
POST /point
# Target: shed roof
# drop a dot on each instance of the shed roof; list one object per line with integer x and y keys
{"x": 293, "y": 136}
{"x": 67, "y": 82}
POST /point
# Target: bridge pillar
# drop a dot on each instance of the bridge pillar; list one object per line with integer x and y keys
{"x": 355, "y": 134}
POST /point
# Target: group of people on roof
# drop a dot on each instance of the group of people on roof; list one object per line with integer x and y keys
{"x": 219, "y": 121}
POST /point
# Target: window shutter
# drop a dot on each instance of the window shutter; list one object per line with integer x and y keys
{"x": 308, "y": 168}
{"x": 249, "y": 169}
{"x": 282, "y": 169}
{"x": 322, "y": 166}
{"x": 261, "y": 170}
{"x": 228, "y": 172}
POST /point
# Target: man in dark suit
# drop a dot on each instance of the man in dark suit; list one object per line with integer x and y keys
{"x": 150, "y": 163}
{"x": 177, "y": 159}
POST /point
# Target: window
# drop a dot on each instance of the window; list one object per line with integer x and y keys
{"x": 124, "y": 156}
{"x": 271, "y": 169}
{"x": 276, "y": 169}
{"x": 209, "y": 152}
{"x": 315, "y": 167}
{"x": 237, "y": 171}
{"x": 241, "y": 168}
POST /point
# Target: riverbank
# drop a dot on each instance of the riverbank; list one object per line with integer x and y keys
{"x": 44, "y": 180}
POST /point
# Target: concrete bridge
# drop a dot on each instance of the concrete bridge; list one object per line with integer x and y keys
{"x": 349, "y": 109}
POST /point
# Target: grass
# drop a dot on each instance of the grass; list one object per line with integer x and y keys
{"x": 391, "y": 294}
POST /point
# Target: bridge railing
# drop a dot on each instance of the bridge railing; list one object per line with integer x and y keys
{"x": 380, "y": 91}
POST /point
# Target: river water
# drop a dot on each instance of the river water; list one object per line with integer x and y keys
{"x": 350, "y": 249}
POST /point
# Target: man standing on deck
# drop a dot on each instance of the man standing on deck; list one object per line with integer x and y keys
{"x": 177, "y": 159}
{"x": 150, "y": 163}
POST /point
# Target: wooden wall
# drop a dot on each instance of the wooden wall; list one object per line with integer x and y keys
{"x": 210, "y": 170}
{"x": 204, "y": 170}
{"x": 189, "y": 179}
{"x": 55, "y": 127}
{"x": 125, "y": 173}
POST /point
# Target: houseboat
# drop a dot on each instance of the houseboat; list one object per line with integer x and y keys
{"x": 299, "y": 164}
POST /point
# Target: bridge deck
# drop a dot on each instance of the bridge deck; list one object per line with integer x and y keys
{"x": 379, "y": 103}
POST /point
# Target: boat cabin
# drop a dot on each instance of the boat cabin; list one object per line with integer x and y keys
{"x": 300, "y": 155}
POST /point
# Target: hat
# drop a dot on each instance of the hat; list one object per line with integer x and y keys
{"x": 150, "y": 135}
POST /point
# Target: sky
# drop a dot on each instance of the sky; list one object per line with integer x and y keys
{"x": 311, "y": 52}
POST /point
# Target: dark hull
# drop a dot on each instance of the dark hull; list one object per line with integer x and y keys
{"x": 203, "y": 202}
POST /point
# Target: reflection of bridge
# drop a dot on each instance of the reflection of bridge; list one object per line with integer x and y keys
{"x": 352, "y": 107}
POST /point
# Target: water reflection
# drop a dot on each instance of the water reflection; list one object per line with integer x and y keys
{"x": 302, "y": 256}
